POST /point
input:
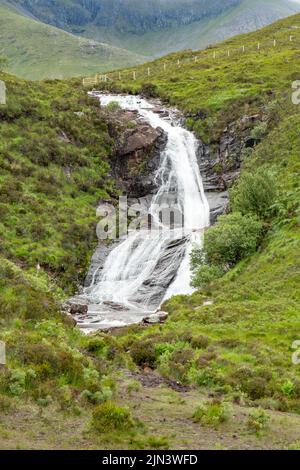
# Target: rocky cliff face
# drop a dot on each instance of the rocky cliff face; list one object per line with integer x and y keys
{"x": 138, "y": 147}
{"x": 220, "y": 163}
{"x": 127, "y": 16}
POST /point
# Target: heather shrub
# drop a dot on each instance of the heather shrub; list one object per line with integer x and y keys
{"x": 110, "y": 417}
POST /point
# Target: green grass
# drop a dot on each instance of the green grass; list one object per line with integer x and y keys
{"x": 54, "y": 160}
{"x": 36, "y": 50}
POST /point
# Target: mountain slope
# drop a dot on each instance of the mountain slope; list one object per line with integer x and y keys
{"x": 36, "y": 50}
{"x": 158, "y": 27}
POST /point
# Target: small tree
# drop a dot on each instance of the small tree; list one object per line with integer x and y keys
{"x": 254, "y": 193}
{"x": 232, "y": 239}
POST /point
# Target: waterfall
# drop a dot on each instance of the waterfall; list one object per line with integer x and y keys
{"x": 146, "y": 268}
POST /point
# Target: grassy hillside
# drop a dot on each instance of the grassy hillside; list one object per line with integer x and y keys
{"x": 213, "y": 91}
{"x": 36, "y": 50}
{"x": 54, "y": 169}
{"x": 219, "y": 373}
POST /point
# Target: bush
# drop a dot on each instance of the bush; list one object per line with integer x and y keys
{"x": 258, "y": 420}
{"x": 256, "y": 388}
{"x": 149, "y": 90}
{"x": 109, "y": 417}
{"x": 205, "y": 274}
{"x": 212, "y": 414}
{"x": 143, "y": 353}
{"x": 259, "y": 131}
{"x": 288, "y": 388}
{"x": 233, "y": 238}
{"x": 113, "y": 106}
{"x": 254, "y": 194}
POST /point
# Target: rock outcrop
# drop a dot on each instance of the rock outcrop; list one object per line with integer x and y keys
{"x": 138, "y": 147}
{"x": 220, "y": 163}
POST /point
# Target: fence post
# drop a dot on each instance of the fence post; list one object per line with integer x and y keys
{"x": 291, "y": 38}
{"x": 274, "y": 42}
{"x": 148, "y": 71}
{"x": 228, "y": 53}
{"x": 178, "y": 62}
{"x": 243, "y": 48}
{"x": 134, "y": 76}
{"x": 258, "y": 46}
{"x": 195, "y": 58}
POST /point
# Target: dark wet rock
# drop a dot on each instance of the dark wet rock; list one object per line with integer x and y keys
{"x": 218, "y": 203}
{"x": 154, "y": 288}
{"x": 97, "y": 263}
{"x": 78, "y": 309}
{"x": 220, "y": 163}
{"x": 138, "y": 148}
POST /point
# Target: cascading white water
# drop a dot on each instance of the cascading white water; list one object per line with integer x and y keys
{"x": 132, "y": 268}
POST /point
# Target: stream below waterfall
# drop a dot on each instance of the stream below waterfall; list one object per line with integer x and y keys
{"x": 146, "y": 267}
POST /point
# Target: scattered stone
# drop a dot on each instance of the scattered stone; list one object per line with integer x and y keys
{"x": 158, "y": 317}
{"x": 79, "y": 309}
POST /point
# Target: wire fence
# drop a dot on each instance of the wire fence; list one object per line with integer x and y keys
{"x": 210, "y": 54}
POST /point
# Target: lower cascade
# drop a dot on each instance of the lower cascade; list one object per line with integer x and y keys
{"x": 146, "y": 266}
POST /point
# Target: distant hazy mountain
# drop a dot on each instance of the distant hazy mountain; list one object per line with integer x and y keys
{"x": 156, "y": 27}
{"x": 36, "y": 50}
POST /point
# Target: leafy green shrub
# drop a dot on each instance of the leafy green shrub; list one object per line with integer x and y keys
{"x": 213, "y": 414}
{"x": 109, "y": 417}
{"x": 233, "y": 238}
{"x": 259, "y": 131}
{"x": 49, "y": 361}
{"x": 95, "y": 345}
{"x": 254, "y": 193}
{"x": 97, "y": 397}
{"x": 288, "y": 388}
{"x": 17, "y": 382}
{"x": 205, "y": 274}
{"x": 258, "y": 420}
{"x": 113, "y": 106}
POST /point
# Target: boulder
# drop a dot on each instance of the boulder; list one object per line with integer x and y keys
{"x": 79, "y": 309}
{"x": 158, "y": 317}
